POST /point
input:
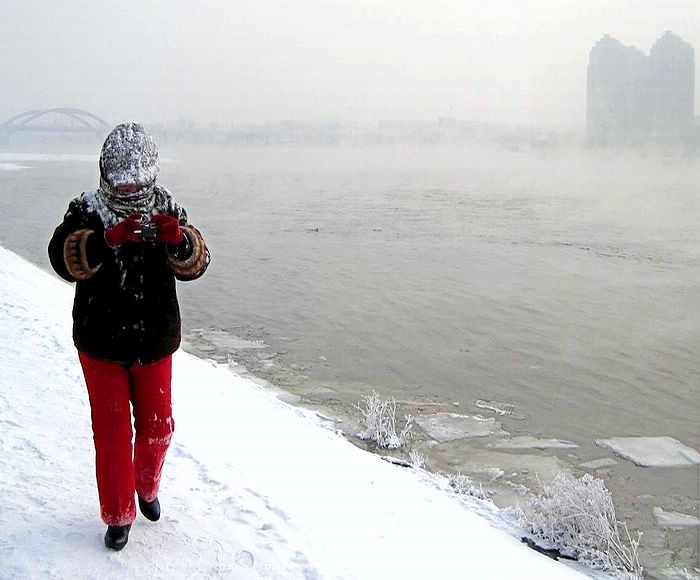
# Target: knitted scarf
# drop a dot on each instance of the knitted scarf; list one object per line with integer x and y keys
{"x": 122, "y": 205}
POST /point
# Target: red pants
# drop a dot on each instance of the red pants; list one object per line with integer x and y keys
{"x": 112, "y": 387}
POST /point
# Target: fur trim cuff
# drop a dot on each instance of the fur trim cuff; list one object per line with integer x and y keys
{"x": 75, "y": 255}
{"x": 198, "y": 261}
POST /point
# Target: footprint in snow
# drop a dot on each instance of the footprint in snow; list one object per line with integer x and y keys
{"x": 244, "y": 559}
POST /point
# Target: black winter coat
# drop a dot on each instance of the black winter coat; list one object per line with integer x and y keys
{"x": 125, "y": 306}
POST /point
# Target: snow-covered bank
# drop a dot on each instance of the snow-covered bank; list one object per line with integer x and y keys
{"x": 252, "y": 487}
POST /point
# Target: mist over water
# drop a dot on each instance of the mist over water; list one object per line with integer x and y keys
{"x": 564, "y": 284}
{"x": 560, "y": 284}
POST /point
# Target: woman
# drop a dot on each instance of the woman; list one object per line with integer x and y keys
{"x": 124, "y": 245}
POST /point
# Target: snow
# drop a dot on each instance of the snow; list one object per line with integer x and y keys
{"x": 667, "y": 519}
{"x": 95, "y": 203}
{"x": 252, "y": 487}
{"x": 130, "y": 156}
{"x": 443, "y": 427}
{"x": 652, "y": 451}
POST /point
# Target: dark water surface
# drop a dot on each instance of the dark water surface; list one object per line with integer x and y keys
{"x": 566, "y": 285}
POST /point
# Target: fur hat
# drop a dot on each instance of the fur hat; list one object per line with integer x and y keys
{"x": 129, "y": 156}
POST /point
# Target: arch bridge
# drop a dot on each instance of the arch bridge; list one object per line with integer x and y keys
{"x": 74, "y": 121}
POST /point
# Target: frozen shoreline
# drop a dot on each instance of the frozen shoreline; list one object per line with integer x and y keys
{"x": 252, "y": 487}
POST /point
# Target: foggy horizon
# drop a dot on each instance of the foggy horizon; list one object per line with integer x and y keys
{"x": 514, "y": 63}
{"x": 480, "y": 217}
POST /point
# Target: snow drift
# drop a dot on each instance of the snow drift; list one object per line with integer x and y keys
{"x": 252, "y": 488}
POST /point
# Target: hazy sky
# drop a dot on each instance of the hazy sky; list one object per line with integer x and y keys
{"x": 253, "y": 60}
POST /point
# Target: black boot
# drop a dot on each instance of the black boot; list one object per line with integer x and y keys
{"x": 117, "y": 536}
{"x": 150, "y": 509}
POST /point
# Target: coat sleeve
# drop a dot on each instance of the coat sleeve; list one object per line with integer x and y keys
{"x": 191, "y": 258}
{"x": 75, "y": 249}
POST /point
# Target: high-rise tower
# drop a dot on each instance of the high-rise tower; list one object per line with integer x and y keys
{"x": 617, "y": 104}
{"x": 672, "y": 88}
{"x": 632, "y": 98}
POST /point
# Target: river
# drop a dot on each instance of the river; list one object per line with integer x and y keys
{"x": 560, "y": 288}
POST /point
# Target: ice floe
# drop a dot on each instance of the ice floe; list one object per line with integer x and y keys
{"x": 499, "y": 408}
{"x": 496, "y": 407}
{"x": 93, "y": 158}
{"x": 652, "y": 451}
{"x": 520, "y": 465}
{"x": 679, "y": 574}
{"x": 443, "y": 427}
{"x": 12, "y": 166}
{"x": 674, "y": 519}
{"x": 528, "y": 442}
{"x": 598, "y": 463}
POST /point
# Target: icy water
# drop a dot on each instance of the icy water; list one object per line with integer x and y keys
{"x": 558, "y": 294}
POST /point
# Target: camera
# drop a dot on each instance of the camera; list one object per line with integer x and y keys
{"x": 148, "y": 231}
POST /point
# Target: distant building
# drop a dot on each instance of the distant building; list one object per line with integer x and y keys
{"x": 617, "y": 109}
{"x": 632, "y": 98}
{"x": 672, "y": 88}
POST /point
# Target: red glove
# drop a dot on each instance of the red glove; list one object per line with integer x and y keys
{"x": 124, "y": 231}
{"x": 168, "y": 229}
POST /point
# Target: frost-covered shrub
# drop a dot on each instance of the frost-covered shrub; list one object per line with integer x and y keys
{"x": 464, "y": 485}
{"x": 576, "y": 516}
{"x": 417, "y": 459}
{"x": 380, "y": 422}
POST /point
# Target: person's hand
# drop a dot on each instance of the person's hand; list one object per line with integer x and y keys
{"x": 124, "y": 231}
{"x": 168, "y": 229}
